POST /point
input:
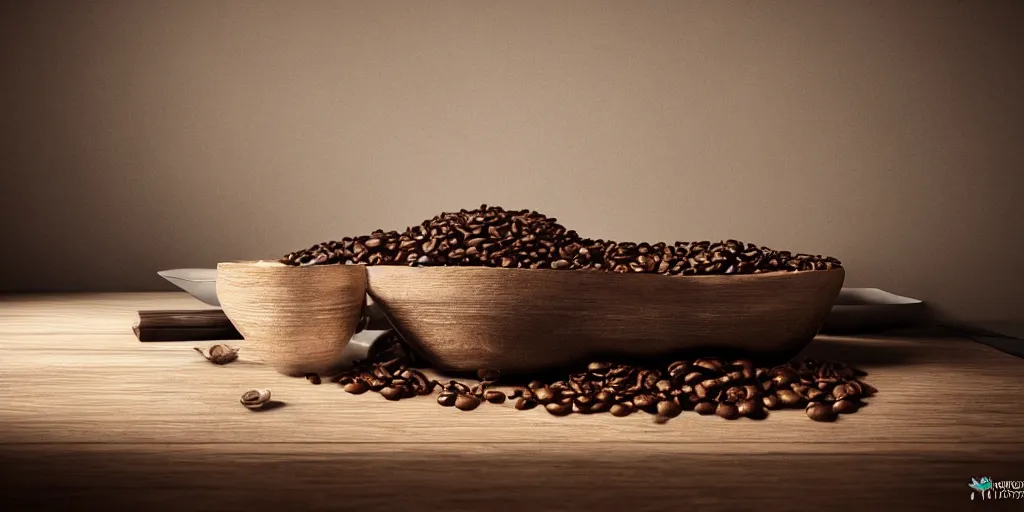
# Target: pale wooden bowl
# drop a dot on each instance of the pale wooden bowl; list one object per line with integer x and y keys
{"x": 516, "y": 320}
{"x": 296, "y": 319}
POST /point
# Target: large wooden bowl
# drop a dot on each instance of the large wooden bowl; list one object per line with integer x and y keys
{"x": 296, "y": 319}
{"x": 515, "y": 320}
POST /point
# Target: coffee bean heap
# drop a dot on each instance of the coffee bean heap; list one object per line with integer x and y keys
{"x": 495, "y": 237}
{"x": 729, "y": 389}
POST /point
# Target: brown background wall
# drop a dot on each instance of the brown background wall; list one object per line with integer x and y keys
{"x": 146, "y": 135}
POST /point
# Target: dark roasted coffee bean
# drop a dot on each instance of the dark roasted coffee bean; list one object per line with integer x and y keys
{"x": 392, "y": 393}
{"x": 356, "y": 387}
{"x": 466, "y": 402}
{"x": 735, "y": 394}
{"x": 709, "y": 364}
{"x": 525, "y": 403}
{"x": 727, "y": 411}
{"x": 661, "y": 420}
{"x": 704, "y": 408}
{"x": 544, "y": 394}
{"x": 844, "y": 407}
{"x": 788, "y": 398}
{"x": 747, "y": 408}
{"x": 663, "y": 386}
{"x": 558, "y": 409}
{"x": 313, "y": 378}
{"x": 820, "y": 412}
{"x": 693, "y": 378}
{"x": 669, "y": 408}
{"x": 446, "y": 398}
{"x": 494, "y": 396}
{"x": 623, "y": 409}
{"x": 643, "y": 401}
{"x": 534, "y": 384}
{"x": 604, "y": 396}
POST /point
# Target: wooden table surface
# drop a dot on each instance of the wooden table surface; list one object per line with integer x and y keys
{"x": 89, "y": 416}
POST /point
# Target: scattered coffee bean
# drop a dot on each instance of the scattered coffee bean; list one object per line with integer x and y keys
{"x": 622, "y": 409}
{"x": 788, "y": 398}
{"x": 219, "y": 353}
{"x": 466, "y": 402}
{"x": 820, "y": 412}
{"x": 748, "y": 391}
{"x": 704, "y": 408}
{"x": 544, "y": 394}
{"x": 727, "y": 411}
{"x": 558, "y": 409}
{"x": 844, "y": 407}
{"x": 669, "y": 408}
{"x": 255, "y": 399}
{"x": 392, "y": 393}
{"x": 446, "y": 398}
{"x": 525, "y": 403}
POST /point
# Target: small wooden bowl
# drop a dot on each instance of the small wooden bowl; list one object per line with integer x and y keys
{"x": 296, "y": 319}
{"x": 515, "y": 320}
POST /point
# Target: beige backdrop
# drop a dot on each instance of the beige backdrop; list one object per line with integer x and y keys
{"x": 147, "y": 135}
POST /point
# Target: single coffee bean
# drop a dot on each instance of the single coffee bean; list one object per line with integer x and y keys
{"x": 525, "y": 403}
{"x": 788, "y": 398}
{"x": 558, "y": 409}
{"x": 820, "y": 412}
{"x": 663, "y": 386}
{"x": 727, "y": 411}
{"x": 392, "y": 393}
{"x": 446, "y": 398}
{"x": 844, "y": 406}
{"x": 623, "y": 409}
{"x": 356, "y": 387}
{"x": 747, "y": 407}
{"x": 535, "y": 384}
{"x": 709, "y": 364}
{"x": 661, "y": 420}
{"x": 704, "y": 408}
{"x": 466, "y": 402}
{"x": 643, "y": 401}
{"x": 313, "y": 378}
{"x": 544, "y": 394}
{"x": 494, "y": 396}
{"x": 600, "y": 407}
{"x": 693, "y": 378}
{"x": 669, "y": 408}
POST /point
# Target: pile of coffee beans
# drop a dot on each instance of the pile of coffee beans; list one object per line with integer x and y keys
{"x": 495, "y": 237}
{"x": 729, "y": 389}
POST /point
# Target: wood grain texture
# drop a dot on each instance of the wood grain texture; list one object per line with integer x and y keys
{"x": 515, "y": 320}
{"x": 296, "y": 319}
{"x": 98, "y": 419}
